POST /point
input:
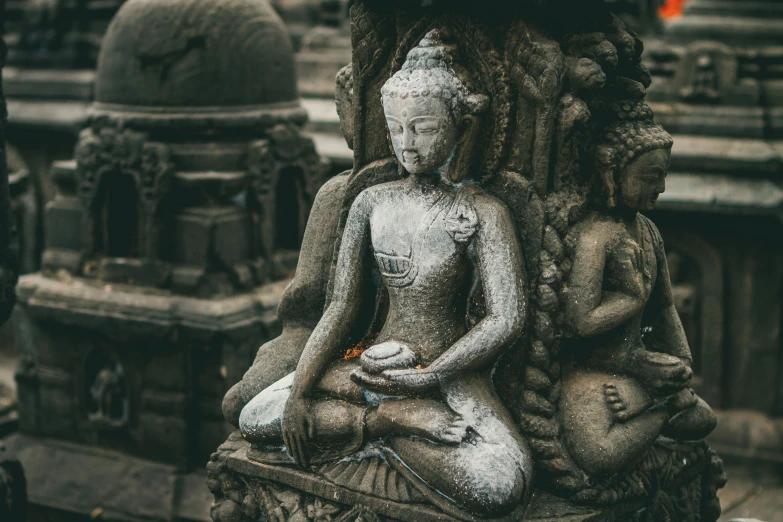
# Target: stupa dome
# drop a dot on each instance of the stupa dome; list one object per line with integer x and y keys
{"x": 196, "y": 53}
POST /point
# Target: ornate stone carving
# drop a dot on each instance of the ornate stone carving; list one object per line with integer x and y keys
{"x": 107, "y": 399}
{"x": 547, "y": 120}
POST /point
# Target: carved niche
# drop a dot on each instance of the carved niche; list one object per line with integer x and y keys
{"x": 285, "y": 175}
{"x": 122, "y": 180}
{"x": 105, "y": 390}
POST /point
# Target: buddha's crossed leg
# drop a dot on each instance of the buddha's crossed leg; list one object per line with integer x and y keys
{"x": 466, "y": 448}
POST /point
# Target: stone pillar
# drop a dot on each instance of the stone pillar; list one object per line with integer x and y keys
{"x": 8, "y": 241}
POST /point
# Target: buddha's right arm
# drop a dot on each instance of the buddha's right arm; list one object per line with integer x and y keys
{"x": 332, "y": 332}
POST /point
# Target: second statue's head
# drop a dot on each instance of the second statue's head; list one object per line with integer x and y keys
{"x": 431, "y": 112}
{"x": 632, "y": 158}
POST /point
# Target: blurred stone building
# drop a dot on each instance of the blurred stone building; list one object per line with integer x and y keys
{"x": 52, "y": 49}
{"x": 639, "y": 15}
{"x": 50, "y": 80}
{"x": 169, "y": 242}
{"x": 324, "y": 49}
{"x": 718, "y": 87}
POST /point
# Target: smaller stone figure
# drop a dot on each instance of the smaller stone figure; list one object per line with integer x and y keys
{"x": 343, "y": 101}
{"x": 422, "y": 392}
{"x": 626, "y": 382}
{"x": 109, "y": 398}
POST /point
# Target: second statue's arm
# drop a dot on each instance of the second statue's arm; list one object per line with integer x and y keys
{"x": 589, "y": 310}
{"x": 665, "y": 366}
{"x": 665, "y": 333}
{"x": 332, "y": 330}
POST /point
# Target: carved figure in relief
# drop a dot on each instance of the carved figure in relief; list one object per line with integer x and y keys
{"x": 629, "y": 365}
{"x": 423, "y": 387}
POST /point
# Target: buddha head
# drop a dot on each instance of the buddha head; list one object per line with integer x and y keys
{"x": 631, "y": 164}
{"x": 343, "y": 98}
{"x": 431, "y": 112}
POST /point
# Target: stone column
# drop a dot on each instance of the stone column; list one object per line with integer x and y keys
{"x": 8, "y": 268}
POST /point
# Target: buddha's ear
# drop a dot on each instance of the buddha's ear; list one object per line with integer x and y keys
{"x": 466, "y": 147}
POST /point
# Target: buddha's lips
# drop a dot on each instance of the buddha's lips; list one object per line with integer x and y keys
{"x": 410, "y": 157}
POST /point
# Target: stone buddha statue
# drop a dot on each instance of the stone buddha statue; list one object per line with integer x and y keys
{"x": 627, "y": 365}
{"x": 422, "y": 393}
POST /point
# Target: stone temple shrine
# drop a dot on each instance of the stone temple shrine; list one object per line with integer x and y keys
{"x": 171, "y": 236}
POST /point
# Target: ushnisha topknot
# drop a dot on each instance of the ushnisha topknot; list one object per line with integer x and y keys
{"x": 429, "y": 70}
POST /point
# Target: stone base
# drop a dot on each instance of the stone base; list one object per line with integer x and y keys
{"x": 248, "y": 491}
{"x": 76, "y": 482}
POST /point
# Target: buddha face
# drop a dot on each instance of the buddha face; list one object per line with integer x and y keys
{"x": 644, "y": 179}
{"x": 423, "y": 132}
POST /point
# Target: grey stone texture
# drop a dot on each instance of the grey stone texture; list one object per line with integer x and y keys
{"x": 53, "y": 48}
{"x": 469, "y": 122}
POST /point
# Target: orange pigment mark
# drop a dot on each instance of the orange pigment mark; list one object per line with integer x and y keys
{"x": 356, "y": 351}
{"x": 671, "y": 8}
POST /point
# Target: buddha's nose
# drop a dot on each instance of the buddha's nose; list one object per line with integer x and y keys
{"x": 408, "y": 141}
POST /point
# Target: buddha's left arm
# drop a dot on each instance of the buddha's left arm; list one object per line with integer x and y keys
{"x": 503, "y": 275}
{"x": 663, "y": 331}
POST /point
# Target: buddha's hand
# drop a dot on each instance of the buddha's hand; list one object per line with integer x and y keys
{"x": 296, "y": 431}
{"x": 398, "y": 382}
{"x": 661, "y": 374}
{"x": 627, "y": 270}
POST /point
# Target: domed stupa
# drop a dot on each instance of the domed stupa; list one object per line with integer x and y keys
{"x": 172, "y": 234}
{"x": 181, "y": 54}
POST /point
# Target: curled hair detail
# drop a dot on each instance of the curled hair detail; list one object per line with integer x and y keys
{"x": 621, "y": 143}
{"x": 344, "y": 79}
{"x": 430, "y": 70}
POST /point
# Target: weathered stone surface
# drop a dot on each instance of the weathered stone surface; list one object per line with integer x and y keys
{"x": 53, "y": 48}
{"x": 527, "y": 131}
{"x": 97, "y": 482}
{"x": 246, "y": 489}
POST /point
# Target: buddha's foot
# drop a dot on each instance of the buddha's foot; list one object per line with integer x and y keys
{"x": 615, "y": 403}
{"x": 423, "y": 418}
{"x": 691, "y": 417}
